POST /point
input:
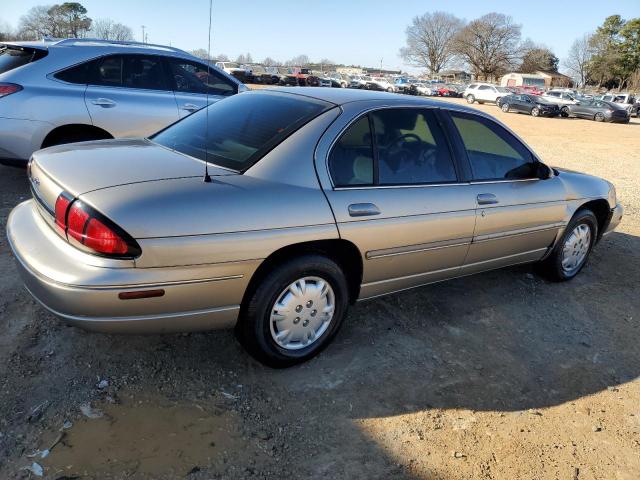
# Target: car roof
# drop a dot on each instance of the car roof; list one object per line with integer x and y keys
{"x": 137, "y": 47}
{"x": 341, "y": 96}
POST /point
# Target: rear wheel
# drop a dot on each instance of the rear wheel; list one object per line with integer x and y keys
{"x": 471, "y": 99}
{"x": 295, "y": 311}
{"x": 573, "y": 249}
{"x": 66, "y": 135}
{"x": 505, "y": 107}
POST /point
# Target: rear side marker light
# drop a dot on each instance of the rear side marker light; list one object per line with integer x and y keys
{"x": 8, "y": 89}
{"x": 92, "y": 229}
{"x": 141, "y": 294}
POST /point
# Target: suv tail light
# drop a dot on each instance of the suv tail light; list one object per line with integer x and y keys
{"x": 92, "y": 229}
{"x": 9, "y": 88}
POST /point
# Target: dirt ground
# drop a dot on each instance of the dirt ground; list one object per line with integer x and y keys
{"x": 501, "y": 375}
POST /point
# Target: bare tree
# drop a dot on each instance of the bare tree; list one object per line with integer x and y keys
{"x": 579, "y": 57}
{"x": 6, "y": 32}
{"x": 107, "y": 29}
{"x": 299, "y": 61}
{"x": 270, "y": 62}
{"x": 35, "y": 24}
{"x": 490, "y": 45}
{"x": 430, "y": 40}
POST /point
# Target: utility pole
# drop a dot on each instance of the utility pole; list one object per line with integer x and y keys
{"x": 381, "y": 65}
{"x": 143, "y": 27}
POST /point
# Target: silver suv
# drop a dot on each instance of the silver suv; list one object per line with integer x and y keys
{"x": 64, "y": 91}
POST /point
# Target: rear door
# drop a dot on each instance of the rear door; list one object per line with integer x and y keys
{"x": 130, "y": 96}
{"x": 194, "y": 84}
{"x": 397, "y": 194}
{"x": 518, "y": 215}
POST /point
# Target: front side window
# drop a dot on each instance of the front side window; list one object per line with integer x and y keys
{"x": 494, "y": 154}
{"x": 241, "y": 129}
{"x": 411, "y": 148}
{"x": 192, "y": 77}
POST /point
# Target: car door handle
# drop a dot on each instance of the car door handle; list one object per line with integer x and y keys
{"x": 363, "y": 210}
{"x": 104, "y": 102}
{"x": 190, "y": 107}
{"x": 487, "y": 199}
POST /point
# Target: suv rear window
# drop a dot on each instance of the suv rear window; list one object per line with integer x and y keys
{"x": 242, "y": 129}
{"x": 14, "y": 57}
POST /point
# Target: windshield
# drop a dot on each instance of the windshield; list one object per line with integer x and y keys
{"x": 242, "y": 128}
{"x": 14, "y": 57}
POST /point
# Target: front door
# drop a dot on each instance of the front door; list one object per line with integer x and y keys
{"x": 194, "y": 84}
{"x": 518, "y": 214}
{"x": 129, "y": 95}
{"x": 396, "y": 194}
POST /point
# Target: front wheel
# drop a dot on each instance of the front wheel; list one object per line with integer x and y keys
{"x": 573, "y": 249}
{"x": 471, "y": 99}
{"x": 535, "y": 112}
{"x": 564, "y": 112}
{"x": 295, "y": 311}
{"x": 505, "y": 107}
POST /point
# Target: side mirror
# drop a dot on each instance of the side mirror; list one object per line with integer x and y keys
{"x": 543, "y": 172}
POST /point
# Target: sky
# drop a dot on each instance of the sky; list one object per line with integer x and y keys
{"x": 359, "y": 32}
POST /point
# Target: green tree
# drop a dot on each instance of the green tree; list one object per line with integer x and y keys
{"x": 539, "y": 58}
{"x": 70, "y": 20}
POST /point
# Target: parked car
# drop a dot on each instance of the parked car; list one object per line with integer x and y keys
{"x": 339, "y": 80}
{"x": 561, "y": 98}
{"x": 530, "y": 90}
{"x": 56, "y": 92}
{"x": 359, "y": 81}
{"x": 484, "y": 92}
{"x": 420, "y": 88}
{"x": 626, "y": 100}
{"x": 231, "y": 68}
{"x": 600, "y": 111}
{"x": 124, "y": 235}
{"x": 450, "y": 91}
{"x": 534, "y": 105}
{"x": 381, "y": 84}
{"x": 259, "y": 74}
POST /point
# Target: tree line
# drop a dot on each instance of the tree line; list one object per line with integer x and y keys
{"x": 65, "y": 20}
{"x": 492, "y": 45}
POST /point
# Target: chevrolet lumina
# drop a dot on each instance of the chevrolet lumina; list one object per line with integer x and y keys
{"x": 311, "y": 199}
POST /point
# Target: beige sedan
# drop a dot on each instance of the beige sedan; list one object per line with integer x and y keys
{"x": 290, "y": 205}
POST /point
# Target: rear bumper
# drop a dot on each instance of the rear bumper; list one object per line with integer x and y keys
{"x": 87, "y": 295}
{"x": 19, "y": 139}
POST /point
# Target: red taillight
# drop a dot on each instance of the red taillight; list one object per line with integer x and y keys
{"x": 8, "y": 89}
{"x": 91, "y": 229}
{"x": 62, "y": 205}
{"x": 102, "y": 239}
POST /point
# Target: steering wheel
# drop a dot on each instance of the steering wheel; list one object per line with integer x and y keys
{"x": 405, "y": 136}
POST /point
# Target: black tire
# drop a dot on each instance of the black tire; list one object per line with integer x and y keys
{"x": 254, "y": 330}
{"x": 564, "y": 112}
{"x": 535, "y": 112}
{"x": 505, "y": 107}
{"x": 599, "y": 117}
{"x": 551, "y": 267}
{"x": 471, "y": 98}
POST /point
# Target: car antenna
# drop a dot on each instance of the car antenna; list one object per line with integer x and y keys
{"x": 207, "y": 178}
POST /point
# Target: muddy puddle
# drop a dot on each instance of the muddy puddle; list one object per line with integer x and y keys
{"x": 145, "y": 438}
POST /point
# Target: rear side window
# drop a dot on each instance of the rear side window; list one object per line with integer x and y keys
{"x": 484, "y": 87}
{"x": 145, "y": 72}
{"x": 108, "y": 72}
{"x": 494, "y": 154}
{"x": 241, "y": 129}
{"x": 11, "y": 57}
{"x": 192, "y": 77}
{"x": 351, "y": 161}
{"x": 411, "y": 148}
{"x": 80, "y": 74}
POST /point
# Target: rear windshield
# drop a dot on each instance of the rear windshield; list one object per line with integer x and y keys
{"x": 14, "y": 57}
{"x": 242, "y": 128}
